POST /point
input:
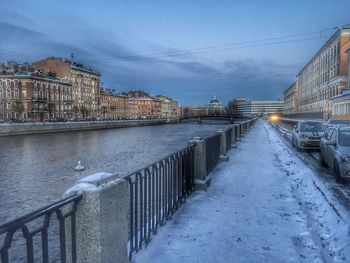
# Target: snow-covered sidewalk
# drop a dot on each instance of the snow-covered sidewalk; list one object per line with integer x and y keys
{"x": 264, "y": 205}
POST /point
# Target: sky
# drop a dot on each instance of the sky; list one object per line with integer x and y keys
{"x": 187, "y": 50}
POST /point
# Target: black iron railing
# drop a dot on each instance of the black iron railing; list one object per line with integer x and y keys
{"x": 228, "y": 139}
{"x": 155, "y": 194}
{"x": 212, "y": 151}
{"x": 33, "y": 231}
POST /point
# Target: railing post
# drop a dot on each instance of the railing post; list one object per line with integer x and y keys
{"x": 223, "y": 150}
{"x": 242, "y": 129}
{"x": 101, "y": 220}
{"x": 201, "y": 178}
{"x": 233, "y": 137}
{"x": 238, "y": 131}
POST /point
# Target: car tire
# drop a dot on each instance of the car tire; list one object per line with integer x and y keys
{"x": 322, "y": 162}
{"x": 336, "y": 171}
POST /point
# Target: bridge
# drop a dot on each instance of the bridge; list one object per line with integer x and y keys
{"x": 222, "y": 117}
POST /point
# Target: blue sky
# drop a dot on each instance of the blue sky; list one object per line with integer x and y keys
{"x": 107, "y": 35}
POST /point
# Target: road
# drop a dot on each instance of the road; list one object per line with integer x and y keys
{"x": 311, "y": 158}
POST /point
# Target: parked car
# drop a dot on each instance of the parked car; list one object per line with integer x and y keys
{"x": 307, "y": 134}
{"x": 2, "y": 121}
{"x": 335, "y": 151}
{"x": 337, "y": 123}
{"x": 16, "y": 120}
{"x": 60, "y": 119}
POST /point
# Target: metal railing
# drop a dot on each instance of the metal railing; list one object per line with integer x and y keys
{"x": 35, "y": 228}
{"x": 212, "y": 151}
{"x": 155, "y": 194}
{"x": 228, "y": 139}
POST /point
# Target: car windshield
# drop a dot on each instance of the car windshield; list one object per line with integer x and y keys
{"x": 344, "y": 138}
{"x": 312, "y": 127}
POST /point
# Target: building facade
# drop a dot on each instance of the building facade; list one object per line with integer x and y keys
{"x": 113, "y": 105}
{"x": 147, "y": 107}
{"x": 85, "y": 84}
{"x": 32, "y": 95}
{"x": 169, "y": 107}
{"x": 325, "y": 75}
{"x": 340, "y": 106}
{"x": 259, "y": 108}
{"x": 290, "y": 99}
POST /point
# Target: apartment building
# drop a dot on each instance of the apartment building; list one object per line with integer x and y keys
{"x": 325, "y": 75}
{"x": 85, "y": 83}
{"x": 289, "y": 96}
{"x": 34, "y": 95}
{"x": 113, "y": 105}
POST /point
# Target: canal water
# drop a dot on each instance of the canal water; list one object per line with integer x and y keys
{"x": 37, "y": 169}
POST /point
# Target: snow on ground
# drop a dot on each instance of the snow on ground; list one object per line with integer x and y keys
{"x": 264, "y": 205}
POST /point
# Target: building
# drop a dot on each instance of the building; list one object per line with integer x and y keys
{"x": 131, "y": 112}
{"x": 189, "y": 111}
{"x": 340, "y": 106}
{"x": 290, "y": 99}
{"x": 258, "y": 108}
{"x": 147, "y": 107}
{"x": 113, "y": 105}
{"x": 214, "y": 107}
{"x": 348, "y": 51}
{"x": 34, "y": 95}
{"x": 85, "y": 83}
{"x": 325, "y": 75}
{"x": 232, "y": 105}
{"x": 169, "y": 107}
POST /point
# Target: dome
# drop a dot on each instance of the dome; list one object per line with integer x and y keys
{"x": 215, "y": 101}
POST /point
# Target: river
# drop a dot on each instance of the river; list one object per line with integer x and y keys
{"x": 37, "y": 169}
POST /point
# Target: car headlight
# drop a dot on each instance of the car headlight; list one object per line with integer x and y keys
{"x": 345, "y": 158}
{"x": 303, "y": 136}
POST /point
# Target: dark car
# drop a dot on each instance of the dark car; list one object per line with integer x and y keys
{"x": 60, "y": 119}
{"x": 17, "y": 121}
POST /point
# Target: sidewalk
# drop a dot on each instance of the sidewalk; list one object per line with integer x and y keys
{"x": 249, "y": 214}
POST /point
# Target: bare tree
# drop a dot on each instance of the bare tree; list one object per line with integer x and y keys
{"x": 19, "y": 107}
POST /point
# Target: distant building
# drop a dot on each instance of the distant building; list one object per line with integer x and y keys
{"x": 169, "y": 107}
{"x": 192, "y": 111}
{"x": 85, "y": 83}
{"x": 214, "y": 107}
{"x": 147, "y": 107}
{"x": 325, "y": 75}
{"x": 258, "y": 108}
{"x": 136, "y": 93}
{"x": 34, "y": 95}
{"x": 232, "y": 105}
{"x": 113, "y": 105}
{"x": 289, "y": 95}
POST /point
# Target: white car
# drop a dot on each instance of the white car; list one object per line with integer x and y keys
{"x": 307, "y": 135}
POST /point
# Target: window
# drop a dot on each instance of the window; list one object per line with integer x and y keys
{"x": 8, "y": 93}
{"x": 24, "y": 93}
{"x": 16, "y": 93}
